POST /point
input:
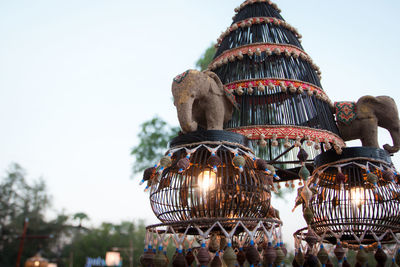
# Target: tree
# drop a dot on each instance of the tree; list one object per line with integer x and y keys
{"x": 96, "y": 242}
{"x": 18, "y": 201}
{"x": 153, "y": 140}
{"x": 80, "y": 216}
{"x": 205, "y": 59}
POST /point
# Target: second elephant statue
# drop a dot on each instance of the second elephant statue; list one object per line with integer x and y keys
{"x": 201, "y": 101}
{"x": 360, "y": 120}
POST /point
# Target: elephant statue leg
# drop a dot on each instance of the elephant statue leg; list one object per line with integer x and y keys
{"x": 213, "y": 122}
{"x": 369, "y": 129}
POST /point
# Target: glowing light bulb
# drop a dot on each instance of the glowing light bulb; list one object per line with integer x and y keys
{"x": 357, "y": 195}
{"x": 207, "y": 180}
{"x": 36, "y": 263}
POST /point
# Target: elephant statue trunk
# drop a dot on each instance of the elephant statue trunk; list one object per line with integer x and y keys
{"x": 185, "y": 116}
{"x": 360, "y": 120}
{"x": 201, "y": 101}
{"x": 395, "y": 134}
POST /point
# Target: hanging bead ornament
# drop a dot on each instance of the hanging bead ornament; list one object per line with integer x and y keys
{"x": 179, "y": 260}
{"x": 299, "y": 257}
{"x": 262, "y": 143}
{"x": 292, "y": 185}
{"x": 239, "y": 162}
{"x": 345, "y": 263}
{"x": 287, "y": 144}
{"x": 339, "y": 252}
{"x": 388, "y": 175}
{"x": 165, "y": 162}
{"x": 148, "y": 174}
{"x": 241, "y": 256}
{"x": 297, "y": 142}
{"x": 308, "y": 141}
{"x": 280, "y": 256}
{"x": 213, "y": 244}
{"x": 269, "y": 255}
{"x": 214, "y": 161}
{"x": 327, "y": 144}
{"x": 304, "y": 173}
{"x": 306, "y": 195}
{"x": 308, "y": 215}
{"x": 361, "y": 256}
{"x": 317, "y": 145}
{"x": 216, "y": 261}
{"x": 302, "y": 156}
{"x": 183, "y": 164}
{"x": 311, "y": 260}
{"x": 380, "y": 256}
{"x": 190, "y": 257}
{"x": 311, "y": 238}
{"x": 252, "y": 255}
{"x": 371, "y": 178}
{"x": 323, "y": 256}
{"x": 274, "y": 141}
{"x": 229, "y": 256}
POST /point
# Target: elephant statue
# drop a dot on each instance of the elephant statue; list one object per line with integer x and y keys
{"x": 201, "y": 101}
{"x": 360, "y": 120}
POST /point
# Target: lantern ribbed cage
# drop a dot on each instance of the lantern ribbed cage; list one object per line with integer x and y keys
{"x": 200, "y": 191}
{"x": 351, "y": 205}
{"x": 276, "y": 84}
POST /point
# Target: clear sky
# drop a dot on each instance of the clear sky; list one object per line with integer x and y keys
{"x": 77, "y": 78}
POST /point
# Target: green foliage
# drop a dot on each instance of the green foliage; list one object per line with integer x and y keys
{"x": 96, "y": 242}
{"x": 80, "y": 216}
{"x": 18, "y": 201}
{"x": 205, "y": 59}
{"x": 153, "y": 140}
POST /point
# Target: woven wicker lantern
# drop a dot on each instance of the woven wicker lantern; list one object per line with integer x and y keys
{"x": 209, "y": 175}
{"x": 357, "y": 194}
{"x": 276, "y": 84}
{"x": 36, "y": 261}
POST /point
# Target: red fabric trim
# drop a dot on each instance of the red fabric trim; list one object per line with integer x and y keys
{"x": 292, "y": 132}
{"x": 276, "y": 82}
{"x": 253, "y": 47}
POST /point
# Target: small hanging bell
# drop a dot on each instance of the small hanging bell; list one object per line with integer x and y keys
{"x": 304, "y": 173}
{"x": 252, "y": 255}
{"x": 308, "y": 215}
{"x": 229, "y": 256}
{"x": 322, "y": 255}
{"x": 299, "y": 257}
{"x": 362, "y": 256}
{"x": 380, "y": 257}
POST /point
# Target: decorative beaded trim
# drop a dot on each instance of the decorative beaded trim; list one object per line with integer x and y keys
{"x": 257, "y": 48}
{"x": 248, "y": 2}
{"x": 289, "y": 132}
{"x": 293, "y": 86}
{"x": 360, "y": 237}
{"x": 257, "y": 20}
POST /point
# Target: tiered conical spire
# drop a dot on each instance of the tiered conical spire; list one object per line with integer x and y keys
{"x": 277, "y": 85}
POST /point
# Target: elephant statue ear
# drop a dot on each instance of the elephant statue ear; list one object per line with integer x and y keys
{"x": 222, "y": 88}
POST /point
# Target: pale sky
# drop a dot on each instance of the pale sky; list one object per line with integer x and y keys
{"x": 77, "y": 78}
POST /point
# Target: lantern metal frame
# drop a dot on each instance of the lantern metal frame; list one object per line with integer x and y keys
{"x": 354, "y": 210}
{"x": 177, "y": 195}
